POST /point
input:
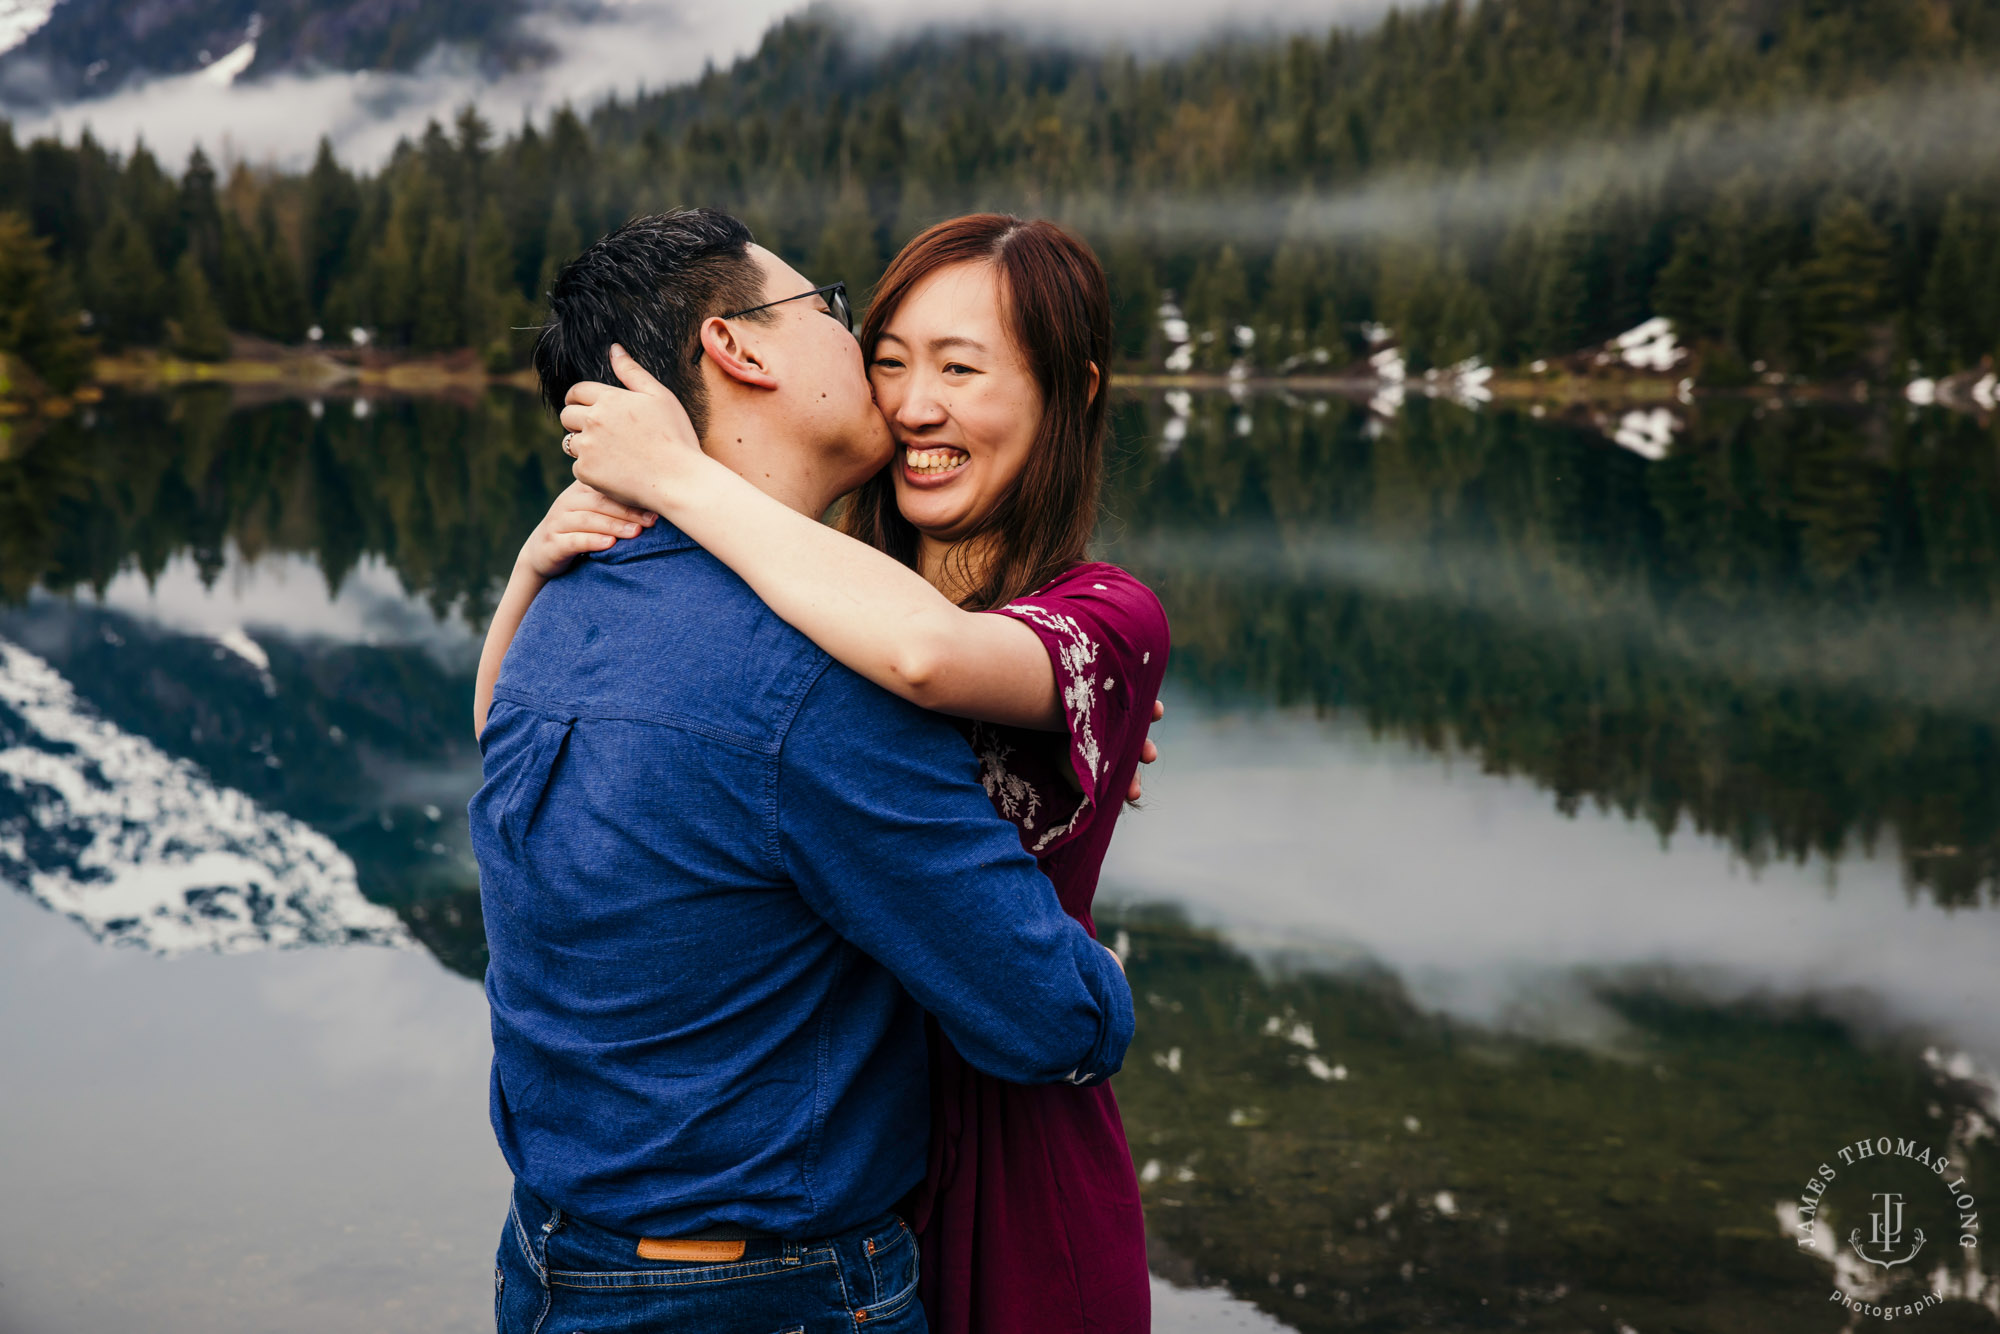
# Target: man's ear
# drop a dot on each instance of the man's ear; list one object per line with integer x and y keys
{"x": 733, "y": 355}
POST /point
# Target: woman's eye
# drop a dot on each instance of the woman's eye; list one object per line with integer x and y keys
{"x": 887, "y": 363}
{"x": 956, "y": 369}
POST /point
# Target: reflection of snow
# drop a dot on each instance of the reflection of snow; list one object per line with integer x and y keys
{"x": 236, "y": 640}
{"x": 1174, "y": 433}
{"x": 1923, "y": 393}
{"x": 1960, "y": 1066}
{"x": 1388, "y": 400}
{"x": 19, "y": 18}
{"x": 141, "y": 848}
{"x": 1650, "y": 346}
{"x": 1465, "y": 383}
{"x": 1649, "y": 434}
{"x": 1181, "y": 360}
{"x": 1390, "y": 370}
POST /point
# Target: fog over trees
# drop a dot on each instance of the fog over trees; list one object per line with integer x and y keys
{"x": 1503, "y": 181}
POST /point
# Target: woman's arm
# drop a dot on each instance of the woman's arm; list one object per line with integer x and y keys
{"x": 875, "y": 615}
{"x": 580, "y": 520}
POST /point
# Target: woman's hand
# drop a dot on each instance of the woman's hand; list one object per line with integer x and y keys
{"x": 1147, "y": 753}
{"x": 581, "y": 520}
{"x": 628, "y": 441}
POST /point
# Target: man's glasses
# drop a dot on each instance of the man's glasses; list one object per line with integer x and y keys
{"x": 836, "y": 304}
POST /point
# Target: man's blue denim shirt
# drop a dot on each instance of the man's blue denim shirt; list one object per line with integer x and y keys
{"x": 722, "y": 877}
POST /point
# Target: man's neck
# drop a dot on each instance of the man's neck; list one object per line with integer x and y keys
{"x": 773, "y": 456}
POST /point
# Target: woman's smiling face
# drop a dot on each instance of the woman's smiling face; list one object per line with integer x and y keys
{"x": 958, "y": 397}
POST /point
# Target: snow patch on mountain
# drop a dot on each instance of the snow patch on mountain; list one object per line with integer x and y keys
{"x": 18, "y": 18}
{"x": 141, "y": 849}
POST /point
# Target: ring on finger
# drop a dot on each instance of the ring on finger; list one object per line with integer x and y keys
{"x": 569, "y": 448}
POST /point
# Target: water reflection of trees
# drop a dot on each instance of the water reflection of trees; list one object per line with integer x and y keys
{"x": 1327, "y": 1150}
{"x": 443, "y": 490}
{"x": 1778, "y": 634}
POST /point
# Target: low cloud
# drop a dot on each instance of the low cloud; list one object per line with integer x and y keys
{"x": 640, "y": 44}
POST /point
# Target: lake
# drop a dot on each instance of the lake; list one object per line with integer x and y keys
{"x": 1567, "y": 864}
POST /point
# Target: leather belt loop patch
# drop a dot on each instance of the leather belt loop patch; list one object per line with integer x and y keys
{"x": 711, "y": 1252}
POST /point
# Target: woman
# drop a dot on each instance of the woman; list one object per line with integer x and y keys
{"x": 968, "y": 593}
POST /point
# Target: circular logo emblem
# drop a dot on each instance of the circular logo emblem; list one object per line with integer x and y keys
{"x": 1897, "y": 1223}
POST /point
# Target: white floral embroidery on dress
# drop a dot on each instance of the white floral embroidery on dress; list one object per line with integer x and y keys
{"x": 1075, "y": 658}
{"x": 1013, "y": 796}
{"x": 1074, "y": 661}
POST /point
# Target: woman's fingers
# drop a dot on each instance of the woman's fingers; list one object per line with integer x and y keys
{"x": 595, "y": 521}
{"x": 1147, "y": 752}
{"x": 574, "y": 544}
{"x": 585, "y": 392}
{"x": 632, "y": 375}
{"x": 588, "y": 497}
{"x": 575, "y": 417}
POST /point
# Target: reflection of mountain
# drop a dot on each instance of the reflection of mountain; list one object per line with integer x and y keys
{"x": 1349, "y": 1163}
{"x": 364, "y": 744}
{"x": 1780, "y": 633}
{"x": 142, "y": 849}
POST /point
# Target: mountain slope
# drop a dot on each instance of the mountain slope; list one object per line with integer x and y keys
{"x": 91, "y": 47}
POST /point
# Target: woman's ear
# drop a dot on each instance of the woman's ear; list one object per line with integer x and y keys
{"x": 733, "y": 356}
{"x": 1096, "y": 381}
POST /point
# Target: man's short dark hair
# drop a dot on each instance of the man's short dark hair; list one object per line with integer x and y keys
{"x": 647, "y": 287}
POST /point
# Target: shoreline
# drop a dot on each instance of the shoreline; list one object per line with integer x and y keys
{"x": 267, "y": 372}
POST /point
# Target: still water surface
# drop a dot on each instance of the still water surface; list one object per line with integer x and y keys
{"x": 1557, "y": 855}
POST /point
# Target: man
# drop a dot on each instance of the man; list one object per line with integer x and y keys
{"x": 723, "y": 876}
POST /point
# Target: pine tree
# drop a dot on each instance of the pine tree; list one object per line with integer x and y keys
{"x": 332, "y": 210}
{"x": 1956, "y": 324}
{"x": 127, "y": 293}
{"x": 1218, "y": 300}
{"x": 440, "y": 303}
{"x": 846, "y": 250}
{"x": 39, "y": 320}
{"x": 240, "y": 288}
{"x": 198, "y": 330}
{"x": 284, "y": 290}
{"x": 1843, "y": 289}
{"x": 201, "y": 215}
{"x": 492, "y": 306}
{"x": 561, "y": 244}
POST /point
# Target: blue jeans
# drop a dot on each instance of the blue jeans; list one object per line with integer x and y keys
{"x": 560, "y": 1275}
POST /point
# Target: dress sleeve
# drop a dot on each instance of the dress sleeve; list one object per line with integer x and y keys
{"x": 1107, "y": 639}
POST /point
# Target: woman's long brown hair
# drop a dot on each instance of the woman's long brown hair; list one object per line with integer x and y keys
{"x": 1060, "y": 309}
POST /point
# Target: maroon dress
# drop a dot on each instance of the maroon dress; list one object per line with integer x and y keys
{"x": 1029, "y": 1219}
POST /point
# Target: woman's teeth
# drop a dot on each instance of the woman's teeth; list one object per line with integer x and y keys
{"x": 937, "y": 460}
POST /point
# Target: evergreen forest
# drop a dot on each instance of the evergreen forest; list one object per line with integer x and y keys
{"x": 1799, "y": 185}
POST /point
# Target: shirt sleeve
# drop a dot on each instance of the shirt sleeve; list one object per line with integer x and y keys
{"x": 885, "y": 829}
{"x": 1106, "y": 636}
